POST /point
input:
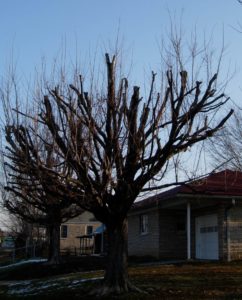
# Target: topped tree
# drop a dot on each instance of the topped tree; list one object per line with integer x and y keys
{"x": 116, "y": 144}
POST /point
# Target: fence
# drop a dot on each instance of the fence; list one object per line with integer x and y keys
{"x": 10, "y": 256}
{"x": 92, "y": 244}
{"x": 76, "y": 251}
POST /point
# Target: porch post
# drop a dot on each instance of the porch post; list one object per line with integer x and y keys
{"x": 188, "y": 230}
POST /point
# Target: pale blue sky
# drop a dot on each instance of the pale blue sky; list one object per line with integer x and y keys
{"x": 32, "y": 29}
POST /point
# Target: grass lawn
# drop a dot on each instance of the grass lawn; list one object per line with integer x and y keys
{"x": 180, "y": 281}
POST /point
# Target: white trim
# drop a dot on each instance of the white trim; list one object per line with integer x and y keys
{"x": 144, "y": 224}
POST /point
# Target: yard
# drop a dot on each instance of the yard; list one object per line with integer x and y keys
{"x": 159, "y": 281}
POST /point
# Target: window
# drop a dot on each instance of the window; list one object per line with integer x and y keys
{"x": 64, "y": 230}
{"x": 143, "y": 224}
{"x": 89, "y": 229}
{"x": 209, "y": 229}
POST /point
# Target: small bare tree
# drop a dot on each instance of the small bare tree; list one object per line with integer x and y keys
{"x": 225, "y": 147}
{"x": 38, "y": 183}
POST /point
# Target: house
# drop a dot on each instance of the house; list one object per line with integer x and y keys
{"x": 77, "y": 234}
{"x": 200, "y": 220}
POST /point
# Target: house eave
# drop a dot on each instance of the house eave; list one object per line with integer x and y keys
{"x": 180, "y": 199}
{"x": 200, "y": 196}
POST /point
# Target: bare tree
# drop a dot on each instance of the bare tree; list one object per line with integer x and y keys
{"x": 38, "y": 183}
{"x": 116, "y": 143}
{"x": 110, "y": 144}
{"x": 226, "y": 146}
{"x": 26, "y": 235}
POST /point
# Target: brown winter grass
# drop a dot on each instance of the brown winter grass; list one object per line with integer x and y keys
{"x": 191, "y": 281}
{"x": 178, "y": 281}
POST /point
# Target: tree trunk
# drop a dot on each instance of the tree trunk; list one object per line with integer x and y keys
{"x": 54, "y": 244}
{"x": 116, "y": 278}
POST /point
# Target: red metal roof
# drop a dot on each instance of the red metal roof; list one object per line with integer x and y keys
{"x": 224, "y": 183}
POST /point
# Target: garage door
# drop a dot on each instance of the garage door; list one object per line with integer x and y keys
{"x": 207, "y": 237}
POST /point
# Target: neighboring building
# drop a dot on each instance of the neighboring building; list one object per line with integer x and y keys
{"x": 200, "y": 220}
{"x": 77, "y": 234}
{"x": 8, "y": 243}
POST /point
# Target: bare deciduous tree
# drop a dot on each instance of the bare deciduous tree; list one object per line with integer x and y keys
{"x": 112, "y": 144}
{"x": 38, "y": 183}
{"x": 116, "y": 143}
{"x": 225, "y": 147}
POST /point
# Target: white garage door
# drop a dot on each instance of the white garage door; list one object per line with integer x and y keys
{"x": 207, "y": 237}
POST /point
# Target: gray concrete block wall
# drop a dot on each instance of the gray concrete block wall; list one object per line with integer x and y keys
{"x": 222, "y": 233}
{"x": 165, "y": 241}
{"x": 173, "y": 238}
{"x": 235, "y": 233}
{"x": 144, "y": 244}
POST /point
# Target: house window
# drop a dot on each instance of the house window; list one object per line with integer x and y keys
{"x": 64, "y": 230}
{"x": 143, "y": 224}
{"x": 89, "y": 229}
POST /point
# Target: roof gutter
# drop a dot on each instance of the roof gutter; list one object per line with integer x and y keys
{"x": 210, "y": 196}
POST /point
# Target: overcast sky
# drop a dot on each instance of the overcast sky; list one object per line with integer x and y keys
{"x": 31, "y": 29}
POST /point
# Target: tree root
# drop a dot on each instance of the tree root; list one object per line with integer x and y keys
{"x": 53, "y": 262}
{"x": 107, "y": 290}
